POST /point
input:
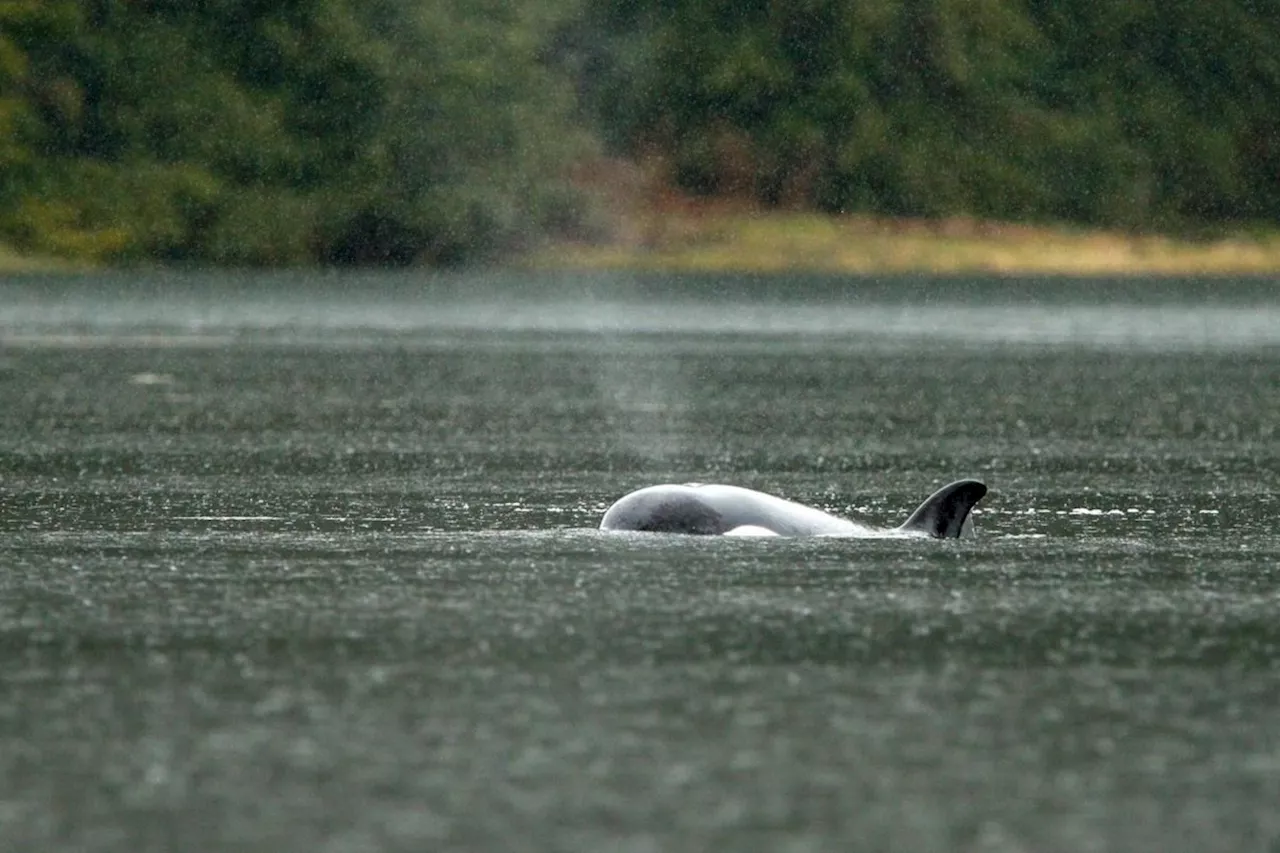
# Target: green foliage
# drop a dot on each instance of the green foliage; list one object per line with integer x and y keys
{"x": 1143, "y": 113}
{"x": 399, "y": 131}
{"x": 236, "y": 131}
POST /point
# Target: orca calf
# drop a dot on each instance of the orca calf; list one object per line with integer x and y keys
{"x": 711, "y": 510}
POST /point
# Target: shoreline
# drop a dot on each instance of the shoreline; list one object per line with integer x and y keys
{"x": 643, "y": 222}
{"x": 778, "y": 241}
{"x": 13, "y": 262}
{"x": 705, "y": 237}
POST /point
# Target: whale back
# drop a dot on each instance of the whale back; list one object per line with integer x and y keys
{"x": 945, "y": 514}
{"x": 711, "y": 510}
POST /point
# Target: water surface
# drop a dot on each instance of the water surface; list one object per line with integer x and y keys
{"x": 308, "y": 562}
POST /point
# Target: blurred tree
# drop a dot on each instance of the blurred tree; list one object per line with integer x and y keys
{"x": 471, "y": 148}
{"x": 1140, "y": 114}
{"x": 237, "y": 131}
{"x": 17, "y": 117}
{"x": 396, "y": 131}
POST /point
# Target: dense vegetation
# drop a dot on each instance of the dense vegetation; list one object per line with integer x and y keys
{"x": 278, "y": 131}
{"x": 359, "y": 131}
{"x": 1135, "y": 113}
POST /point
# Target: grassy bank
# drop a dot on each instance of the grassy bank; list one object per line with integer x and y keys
{"x": 644, "y": 223}
{"x": 719, "y": 236}
{"x": 726, "y": 240}
{"x": 13, "y": 261}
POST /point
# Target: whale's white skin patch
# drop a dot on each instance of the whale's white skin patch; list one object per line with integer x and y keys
{"x": 712, "y": 509}
{"x": 750, "y": 530}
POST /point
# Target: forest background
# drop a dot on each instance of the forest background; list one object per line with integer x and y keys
{"x": 274, "y": 132}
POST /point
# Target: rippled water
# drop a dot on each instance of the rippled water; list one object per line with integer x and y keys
{"x": 309, "y": 562}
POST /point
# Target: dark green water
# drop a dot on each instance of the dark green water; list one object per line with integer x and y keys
{"x": 316, "y": 570}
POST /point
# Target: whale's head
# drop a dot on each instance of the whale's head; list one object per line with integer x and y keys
{"x": 664, "y": 509}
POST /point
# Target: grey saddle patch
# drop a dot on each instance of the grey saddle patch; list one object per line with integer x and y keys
{"x": 677, "y": 514}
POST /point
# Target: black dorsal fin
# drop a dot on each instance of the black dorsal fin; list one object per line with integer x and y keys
{"x": 944, "y": 514}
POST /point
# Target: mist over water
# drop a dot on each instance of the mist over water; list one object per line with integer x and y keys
{"x": 299, "y": 562}
{"x": 1177, "y": 314}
